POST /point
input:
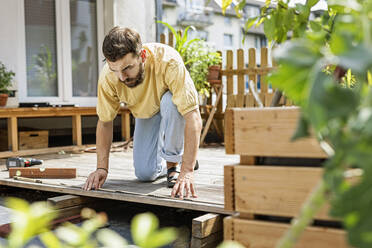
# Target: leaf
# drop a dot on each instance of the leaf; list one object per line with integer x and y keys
{"x": 357, "y": 58}
{"x": 230, "y": 244}
{"x": 249, "y": 23}
{"x": 143, "y": 225}
{"x": 160, "y": 238}
{"x": 311, "y": 3}
{"x": 109, "y": 238}
{"x": 269, "y": 28}
{"x": 50, "y": 240}
{"x": 302, "y": 129}
{"x": 225, "y": 4}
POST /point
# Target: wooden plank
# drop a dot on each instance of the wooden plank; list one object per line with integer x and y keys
{"x": 69, "y": 211}
{"x": 228, "y": 232}
{"x": 229, "y": 131}
{"x": 229, "y": 80}
{"x": 65, "y": 201}
{"x": 48, "y": 150}
{"x": 162, "y": 38}
{"x": 241, "y": 81}
{"x": 259, "y": 234}
{"x": 125, "y": 126}
{"x": 247, "y": 160}
{"x": 264, "y": 64}
{"x": 76, "y": 130}
{"x": 206, "y": 225}
{"x": 43, "y": 172}
{"x": 229, "y": 188}
{"x": 13, "y": 134}
{"x": 268, "y": 132}
{"x": 249, "y": 100}
{"x": 170, "y": 39}
{"x": 275, "y": 190}
{"x": 252, "y": 65}
{"x": 211, "y": 241}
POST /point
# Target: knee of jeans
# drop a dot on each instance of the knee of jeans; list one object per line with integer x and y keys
{"x": 145, "y": 175}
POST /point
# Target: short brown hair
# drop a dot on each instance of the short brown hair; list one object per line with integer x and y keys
{"x": 119, "y": 42}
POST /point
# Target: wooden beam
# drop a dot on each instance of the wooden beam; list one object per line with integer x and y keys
{"x": 229, "y": 132}
{"x": 228, "y": 228}
{"x": 247, "y": 160}
{"x": 76, "y": 130}
{"x": 210, "y": 241}
{"x": 206, "y": 225}
{"x": 229, "y": 187}
{"x": 262, "y": 234}
{"x": 65, "y": 201}
{"x": 13, "y": 134}
{"x": 125, "y": 125}
{"x": 43, "y": 172}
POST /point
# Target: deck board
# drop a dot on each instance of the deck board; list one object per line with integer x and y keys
{"x": 122, "y": 185}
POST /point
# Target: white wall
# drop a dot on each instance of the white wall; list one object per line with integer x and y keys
{"x": 9, "y": 41}
{"x": 139, "y": 14}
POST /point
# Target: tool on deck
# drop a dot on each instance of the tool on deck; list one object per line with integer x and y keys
{"x": 22, "y": 162}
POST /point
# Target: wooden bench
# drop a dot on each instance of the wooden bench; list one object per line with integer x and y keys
{"x": 272, "y": 191}
{"x": 12, "y": 115}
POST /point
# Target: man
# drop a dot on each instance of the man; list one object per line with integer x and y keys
{"x": 156, "y": 87}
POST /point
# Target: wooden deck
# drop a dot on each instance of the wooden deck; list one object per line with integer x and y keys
{"x": 122, "y": 185}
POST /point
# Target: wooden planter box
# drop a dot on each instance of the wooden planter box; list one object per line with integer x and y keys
{"x": 265, "y": 234}
{"x": 33, "y": 140}
{"x": 271, "y": 190}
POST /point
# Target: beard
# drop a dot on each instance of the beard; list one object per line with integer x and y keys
{"x": 133, "y": 82}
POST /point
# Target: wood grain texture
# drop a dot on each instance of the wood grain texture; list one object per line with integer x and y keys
{"x": 205, "y": 225}
{"x": 211, "y": 241}
{"x": 33, "y": 139}
{"x": 274, "y": 190}
{"x": 229, "y": 132}
{"x": 229, "y": 188}
{"x": 259, "y": 234}
{"x": 43, "y": 173}
{"x": 268, "y": 132}
{"x": 65, "y": 201}
{"x": 228, "y": 231}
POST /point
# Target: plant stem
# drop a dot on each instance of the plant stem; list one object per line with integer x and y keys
{"x": 309, "y": 209}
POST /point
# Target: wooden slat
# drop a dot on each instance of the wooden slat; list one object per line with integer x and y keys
{"x": 205, "y": 225}
{"x": 76, "y": 130}
{"x": 228, "y": 232}
{"x": 170, "y": 39}
{"x": 241, "y": 81}
{"x": 252, "y": 77}
{"x": 211, "y": 241}
{"x": 43, "y": 172}
{"x": 275, "y": 190}
{"x": 247, "y": 160}
{"x": 229, "y": 188}
{"x": 268, "y": 132}
{"x": 162, "y": 38}
{"x": 229, "y": 131}
{"x": 229, "y": 80}
{"x": 65, "y": 201}
{"x": 264, "y": 64}
{"x": 13, "y": 134}
{"x": 256, "y": 234}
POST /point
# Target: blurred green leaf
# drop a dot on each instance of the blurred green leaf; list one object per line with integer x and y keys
{"x": 230, "y": 244}
{"x": 160, "y": 238}
{"x": 143, "y": 225}
{"x": 111, "y": 239}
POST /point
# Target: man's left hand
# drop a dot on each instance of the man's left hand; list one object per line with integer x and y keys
{"x": 184, "y": 185}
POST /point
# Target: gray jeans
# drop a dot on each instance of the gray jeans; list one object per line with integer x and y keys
{"x": 158, "y": 139}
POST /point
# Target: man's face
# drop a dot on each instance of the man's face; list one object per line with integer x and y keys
{"x": 128, "y": 69}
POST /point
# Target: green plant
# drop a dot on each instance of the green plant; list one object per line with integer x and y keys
{"x": 340, "y": 116}
{"x": 34, "y": 220}
{"x": 6, "y": 78}
{"x": 200, "y": 56}
{"x": 43, "y": 64}
{"x": 197, "y": 55}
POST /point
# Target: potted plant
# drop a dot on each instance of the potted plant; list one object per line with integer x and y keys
{"x": 198, "y": 57}
{"x": 6, "y": 77}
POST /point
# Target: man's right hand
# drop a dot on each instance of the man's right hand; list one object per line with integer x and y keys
{"x": 95, "y": 180}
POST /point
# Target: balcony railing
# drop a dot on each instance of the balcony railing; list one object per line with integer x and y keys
{"x": 199, "y": 18}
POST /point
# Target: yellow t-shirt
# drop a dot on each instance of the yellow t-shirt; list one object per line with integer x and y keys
{"x": 164, "y": 70}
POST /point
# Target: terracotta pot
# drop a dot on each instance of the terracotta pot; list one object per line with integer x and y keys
{"x": 3, "y": 99}
{"x": 214, "y": 74}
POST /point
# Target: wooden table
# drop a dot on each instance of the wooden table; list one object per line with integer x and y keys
{"x": 12, "y": 114}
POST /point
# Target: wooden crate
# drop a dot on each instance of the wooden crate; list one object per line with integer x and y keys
{"x": 267, "y": 132}
{"x": 264, "y": 234}
{"x": 33, "y": 140}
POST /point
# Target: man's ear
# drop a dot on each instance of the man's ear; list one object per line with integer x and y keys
{"x": 143, "y": 55}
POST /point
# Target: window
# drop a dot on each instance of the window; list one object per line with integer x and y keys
{"x": 61, "y": 51}
{"x": 251, "y": 11}
{"x": 228, "y": 40}
{"x": 227, "y": 21}
{"x": 200, "y": 34}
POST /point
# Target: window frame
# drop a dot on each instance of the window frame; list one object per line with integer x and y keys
{"x": 63, "y": 39}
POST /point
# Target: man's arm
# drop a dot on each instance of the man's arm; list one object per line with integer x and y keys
{"x": 185, "y": 180}
{"x": 103, "y": 140}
